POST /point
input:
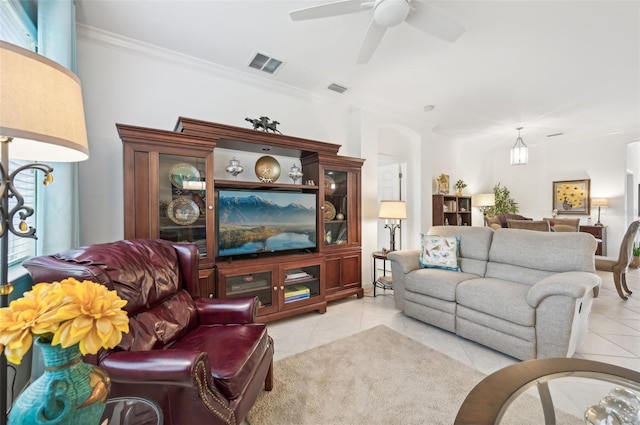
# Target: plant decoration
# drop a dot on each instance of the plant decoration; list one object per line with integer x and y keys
{"x": 68, "y": 312}
{"x": 504, "y": 204}
{"x": 460, "y": 184}
{"x": 636, "y": 250}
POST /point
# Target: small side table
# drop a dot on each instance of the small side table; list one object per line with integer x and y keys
{"x": 383, "y": 282}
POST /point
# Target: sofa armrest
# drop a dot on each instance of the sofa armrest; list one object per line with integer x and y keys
{"x": 165, "y": 367}
{"x": 225, "y": 311}
{"x": 570, "y": 284}
{"x": 407, "y": 260}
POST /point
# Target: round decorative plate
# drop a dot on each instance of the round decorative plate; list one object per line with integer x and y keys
{"x": 183, "y": 211}
{"x": 329, "y": 185}
{"x": 183, "y": 172}
{"x": 329, "y": 210}
{"x": 267, "y": 169}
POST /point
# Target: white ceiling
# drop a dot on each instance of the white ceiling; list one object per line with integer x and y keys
{"x": 549, "y": 66}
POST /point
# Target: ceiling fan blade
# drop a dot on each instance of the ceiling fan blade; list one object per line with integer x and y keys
{"x": 330, "y": 9}
{"x": 370, "y": 42}
{"x": 433, "y": 22}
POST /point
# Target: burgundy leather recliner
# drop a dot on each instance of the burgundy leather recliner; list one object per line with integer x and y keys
{"x": 203, "y": 361}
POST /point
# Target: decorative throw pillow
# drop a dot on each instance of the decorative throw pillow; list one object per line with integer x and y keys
{"x": 440, "y": 252}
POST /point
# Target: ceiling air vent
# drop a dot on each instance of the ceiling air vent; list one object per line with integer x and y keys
{"x": 337, "y": 88}
{"x": 265, "y": 63}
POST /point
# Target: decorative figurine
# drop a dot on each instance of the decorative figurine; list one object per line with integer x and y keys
{"x": 295, "y": 173}
{"x": 264, "y": 123}
{"x": 234, "y": 168}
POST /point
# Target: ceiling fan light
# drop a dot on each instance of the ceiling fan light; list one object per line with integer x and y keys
{"x": 389, "y": 13}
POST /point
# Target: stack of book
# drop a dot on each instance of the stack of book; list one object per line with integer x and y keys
{"x": 295, "y": 293}
{"x": 296, "y": 275}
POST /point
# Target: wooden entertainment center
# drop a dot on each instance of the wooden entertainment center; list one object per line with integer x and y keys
{"x": 170, "y": 193}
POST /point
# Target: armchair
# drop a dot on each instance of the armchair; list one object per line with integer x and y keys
{"x": 201, "y": 360}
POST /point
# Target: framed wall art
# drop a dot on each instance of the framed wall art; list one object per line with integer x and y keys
{"x": 572, "y": 196}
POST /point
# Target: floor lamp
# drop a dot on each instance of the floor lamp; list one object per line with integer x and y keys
{"x": 394, "y": 211}
{"x": 41, "y": 119}
{"x": 483, "y": 201}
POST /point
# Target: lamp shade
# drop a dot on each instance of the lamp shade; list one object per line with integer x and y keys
{"x": 483, "y": 200}
{"x": 41, "y": 107}
{"x": 599, "y": 202}
{"x": 393, "y": 210}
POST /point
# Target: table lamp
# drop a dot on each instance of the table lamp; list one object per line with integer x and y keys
{"x": 41, "y": 119}
{"x": 483, "y": 201}
{"x": 394, "y": 211}
{"x": 599, "y": 202}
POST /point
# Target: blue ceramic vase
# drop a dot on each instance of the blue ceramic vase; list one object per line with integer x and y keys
{"x": 70, "y": 391}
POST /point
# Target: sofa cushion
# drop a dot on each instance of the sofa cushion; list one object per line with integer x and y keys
{"x": 436, "y": 283}
{"x": 474, "y": 245}
{"x": 499, "y": 298}
{"x": 440, "y": 252}
{"x": 234, "y": 353}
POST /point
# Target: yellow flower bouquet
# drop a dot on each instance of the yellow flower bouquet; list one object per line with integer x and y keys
{"x": 68, "y": 312}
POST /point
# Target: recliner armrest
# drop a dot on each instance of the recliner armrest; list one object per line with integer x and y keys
{"x": 408, "y": 260}
{"x": 166, "y": 367}
{"x": 570, "y": 284}
{"x": 225, "y": 311}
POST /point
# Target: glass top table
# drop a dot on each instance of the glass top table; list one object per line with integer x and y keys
{"x": 489, "y": 400}
{"x": 131, "y": 411}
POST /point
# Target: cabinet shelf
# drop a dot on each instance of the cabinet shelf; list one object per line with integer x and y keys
{"x": 158, "y": 162}
{"x": 451, "y": 210}
{"x": 300, "y": 281}
{"x": 260, "y": 185}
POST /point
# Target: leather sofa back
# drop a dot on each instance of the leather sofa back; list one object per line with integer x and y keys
{"x": 149, "y": 274}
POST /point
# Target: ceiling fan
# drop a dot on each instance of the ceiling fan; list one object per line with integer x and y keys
{"x": 386, "y": 14}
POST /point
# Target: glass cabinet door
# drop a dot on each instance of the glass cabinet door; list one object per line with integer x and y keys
{"x": 335, "y": 208}
{"x": 182, "y": 200}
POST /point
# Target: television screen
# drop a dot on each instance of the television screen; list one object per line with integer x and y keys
{"x": 253, "y": 222}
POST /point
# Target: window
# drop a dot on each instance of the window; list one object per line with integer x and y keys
{"x": 18, "y": 29}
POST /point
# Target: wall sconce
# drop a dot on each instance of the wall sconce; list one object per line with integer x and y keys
{"x": 483, "y": 201}
{"x": 394, "y": 211}
{"x": 599, "y": 202}
{"x": 519, "y": 151}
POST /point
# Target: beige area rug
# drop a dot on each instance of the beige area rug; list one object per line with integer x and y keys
{"x": 377, "y": 376}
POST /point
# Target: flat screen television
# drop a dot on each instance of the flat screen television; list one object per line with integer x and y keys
{"x": 251, "y": 222}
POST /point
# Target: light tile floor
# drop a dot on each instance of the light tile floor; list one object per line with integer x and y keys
{"x": 613, "y": 337}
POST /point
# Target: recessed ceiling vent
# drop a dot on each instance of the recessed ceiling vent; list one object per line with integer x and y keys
{"x": 265, "y": 63}
{"x": 555, "y": 134}
{"x": 337, "y": 88}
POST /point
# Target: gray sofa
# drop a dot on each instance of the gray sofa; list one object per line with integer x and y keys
{"x": 527, "y": 294}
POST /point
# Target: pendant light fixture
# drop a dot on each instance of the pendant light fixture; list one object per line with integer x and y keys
{"x": 519, "y": 151}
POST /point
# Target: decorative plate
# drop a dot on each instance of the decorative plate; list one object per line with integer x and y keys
{"x": 183, "y": 172}
{"x": 329, "y": 210}
{"x": 329, "y": 185}
{"x": 267, "y": 169}
{"x": 183, "y": 211}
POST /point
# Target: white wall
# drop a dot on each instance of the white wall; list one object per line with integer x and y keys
{"x": 132, "y": 84}
{"x": 129, "y": 83}
{"x": 603, "y": 161}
